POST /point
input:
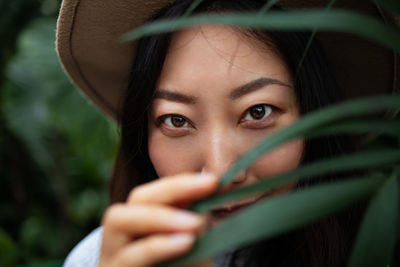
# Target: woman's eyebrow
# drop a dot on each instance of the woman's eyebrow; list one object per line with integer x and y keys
{"x": 253, "y": 86}
{"x": 174, "y": 96}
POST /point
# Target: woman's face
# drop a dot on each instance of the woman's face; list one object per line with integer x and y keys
{"x": 218, "y": 95}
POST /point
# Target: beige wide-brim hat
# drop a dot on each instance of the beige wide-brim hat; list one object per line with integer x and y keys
{"x": 88, "y": 34}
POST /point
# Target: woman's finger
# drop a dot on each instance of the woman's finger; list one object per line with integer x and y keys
{"x": 152, "y": 250}
{"x": 184, "y": 188}
{"x": 139, "y": 220}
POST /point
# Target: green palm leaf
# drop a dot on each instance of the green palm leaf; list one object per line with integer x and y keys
{"x": 310, "y": 122}
{"x": 381, "y": 126}
{"x": 367, "y": 159}
{"x": 376, "y": 239}
{"x": 327, "y": 20}
{"x": 289, "y": 212}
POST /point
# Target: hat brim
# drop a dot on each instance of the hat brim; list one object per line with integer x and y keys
{"x": 98, "y": 63}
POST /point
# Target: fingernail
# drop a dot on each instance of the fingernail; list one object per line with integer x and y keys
{"x": 204, "y": 178}
{"x": 185, "y": 219}
{"x": 182, "y": 239}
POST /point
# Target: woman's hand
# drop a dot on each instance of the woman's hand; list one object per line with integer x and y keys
{"x": 151, "y": 227}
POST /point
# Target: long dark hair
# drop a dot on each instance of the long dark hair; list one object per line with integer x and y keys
{"x": 325, "y": 243}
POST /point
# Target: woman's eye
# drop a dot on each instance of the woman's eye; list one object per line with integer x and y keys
{"x": 258, "y": 112}
{"x": 174, "y": 121}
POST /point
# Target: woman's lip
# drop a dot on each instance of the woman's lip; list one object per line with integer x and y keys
{"x": 225, "y": 211}
{"x": 229, "y": 210}
{"x": 234, "y": 207}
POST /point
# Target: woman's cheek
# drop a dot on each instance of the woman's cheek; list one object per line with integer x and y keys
{"x": 282, "y": 159}
{"x": 172, "y": 156}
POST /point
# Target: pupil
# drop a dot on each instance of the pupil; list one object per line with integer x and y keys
{"x": 257, "y": 112}
{"x": 177, "y": 121}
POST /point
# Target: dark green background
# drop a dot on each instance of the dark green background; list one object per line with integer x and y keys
{"x": 56, "y": 149}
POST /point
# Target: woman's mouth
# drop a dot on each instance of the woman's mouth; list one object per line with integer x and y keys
{"x": 228, "y": 210}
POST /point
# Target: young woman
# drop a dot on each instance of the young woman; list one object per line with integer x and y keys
{"x": 196, "y": 101}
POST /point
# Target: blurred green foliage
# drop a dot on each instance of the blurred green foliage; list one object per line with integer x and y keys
{"x": 56, "y": 151}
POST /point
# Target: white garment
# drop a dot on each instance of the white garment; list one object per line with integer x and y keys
{"x": 87, "y": 252}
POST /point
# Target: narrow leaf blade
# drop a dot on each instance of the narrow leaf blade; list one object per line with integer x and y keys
{"x": 382, "y": 126}
{"x": 310, "y": 122}
{"x": 290, "y": 211}
{"x": 365, "y": 159}
{"x": 327, "y": 20}
{"x": 376, "y": 238}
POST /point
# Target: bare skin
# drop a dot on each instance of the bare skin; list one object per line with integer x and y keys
{"x": 148, "y": 228}
{"x": 219, "y": 94}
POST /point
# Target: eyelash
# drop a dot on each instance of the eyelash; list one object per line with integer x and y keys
{"x": 162, "y": 120}
{"x": 266, "y": 113}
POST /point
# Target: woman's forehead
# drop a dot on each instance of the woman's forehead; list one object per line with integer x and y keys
{"x": 220, "y": 52}
{"x": 224, "y": 40}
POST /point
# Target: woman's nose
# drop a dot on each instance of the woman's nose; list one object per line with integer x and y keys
{"x": 220, "y": 153}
